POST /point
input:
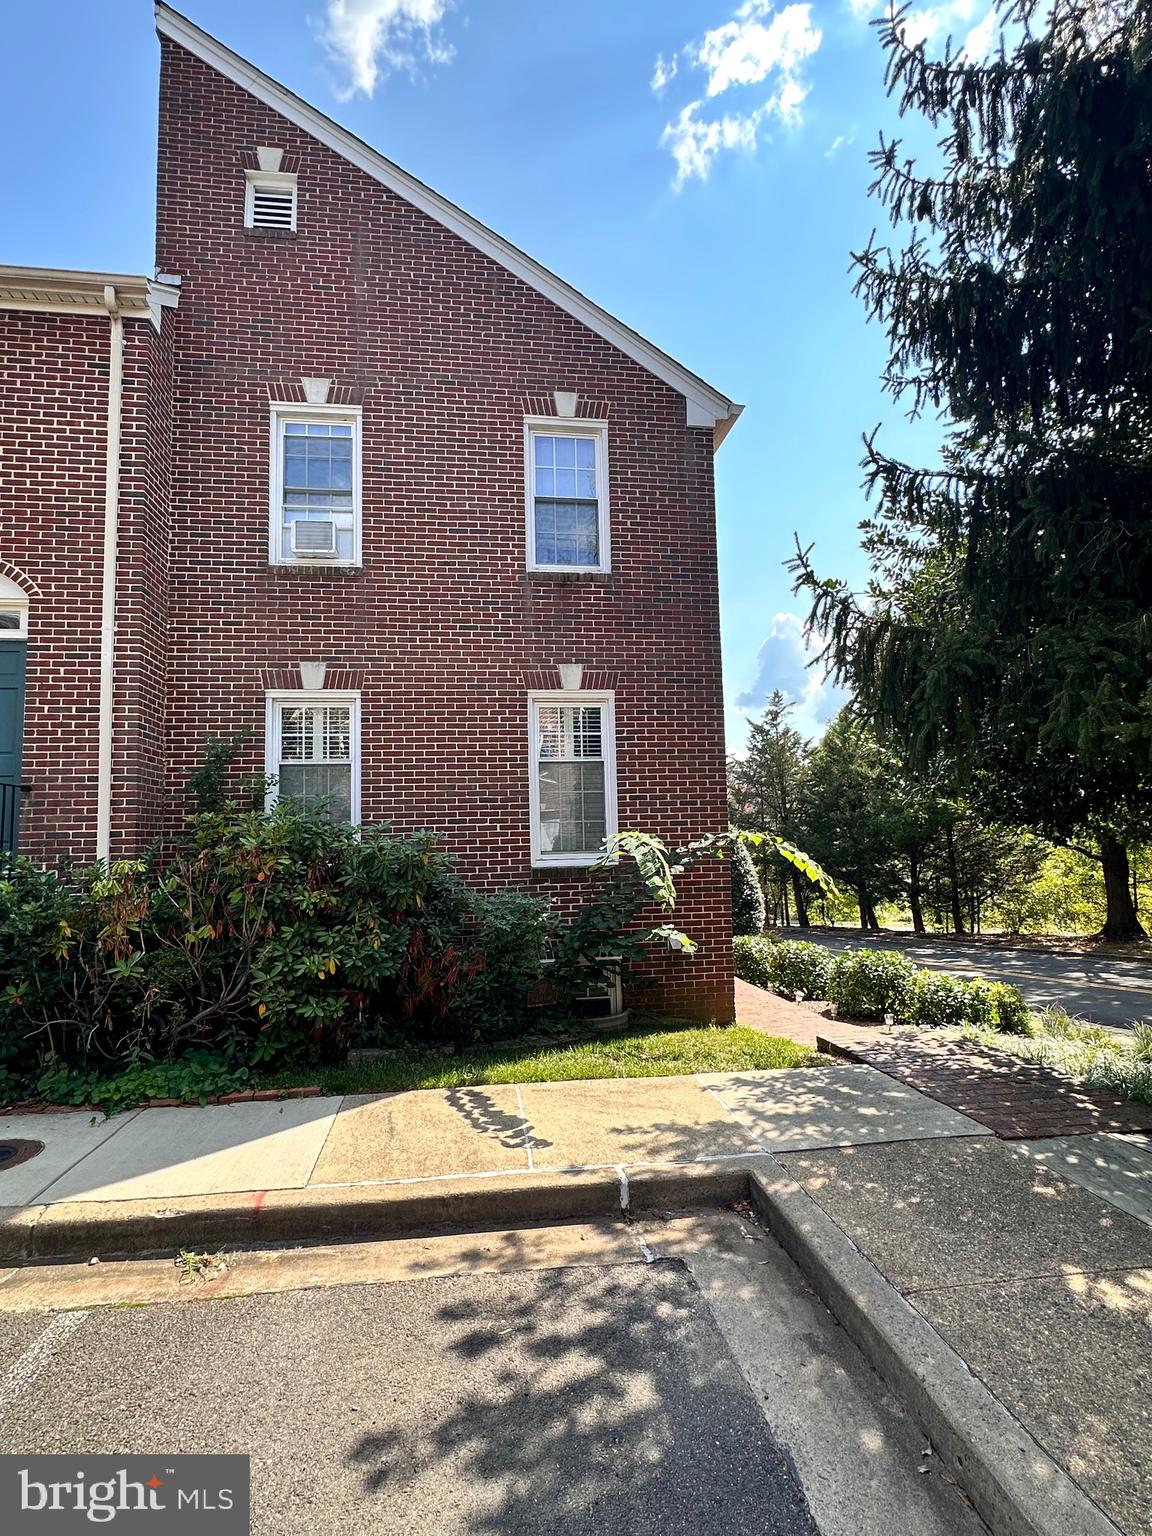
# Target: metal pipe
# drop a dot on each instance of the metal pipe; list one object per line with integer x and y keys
{"x": 108, "y": 600}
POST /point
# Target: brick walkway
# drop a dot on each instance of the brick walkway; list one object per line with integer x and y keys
{"x": 1013, "y": 1098}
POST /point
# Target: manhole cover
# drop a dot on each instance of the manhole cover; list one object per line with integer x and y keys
{"x": 13, "y": 1153}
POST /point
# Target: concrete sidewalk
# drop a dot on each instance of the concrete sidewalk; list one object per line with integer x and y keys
{"x": 1026, "y": 1265}
{"x": 462, "y": 1134}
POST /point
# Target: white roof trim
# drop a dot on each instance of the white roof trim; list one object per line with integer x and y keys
{"x": 57, "y": 291}
{"x": 706, "y": 406}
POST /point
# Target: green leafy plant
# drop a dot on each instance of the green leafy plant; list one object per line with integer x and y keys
{"x": 870, "y": 983}
{"x": 753, "y": 959}
{"x": 200, "y": 1267}
{"x": 796, "y": 969}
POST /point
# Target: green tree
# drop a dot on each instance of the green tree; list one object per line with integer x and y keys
{"x": 850, "y": 815}
{"x": 766, "y": 789}
{"x": 1009, "y": 623}
{"x": 747, "y": 897}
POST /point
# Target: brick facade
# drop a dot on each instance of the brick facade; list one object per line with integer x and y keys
{"x": 441, "y": 628}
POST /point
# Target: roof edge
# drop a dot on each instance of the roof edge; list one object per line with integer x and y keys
{"x": 60, "y": 290}
{"x": 707, "y": 407}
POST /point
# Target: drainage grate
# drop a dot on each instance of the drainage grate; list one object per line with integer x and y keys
{"x": 13, "y": 1153}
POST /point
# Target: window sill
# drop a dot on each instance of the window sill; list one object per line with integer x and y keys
{"x": 305, "y": 571}
{"x": 565, "y": 865}
{"x": 598, "y": 578}
{"x": 270, "y": 234}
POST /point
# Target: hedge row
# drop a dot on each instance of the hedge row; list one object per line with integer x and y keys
{"x": 875, "y": 984}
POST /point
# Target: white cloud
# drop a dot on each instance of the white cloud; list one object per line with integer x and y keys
{"x": 664, "y": 73}
{"x": 695, "y": 144}
{"x": 744, "y": 51}
{"x": 758, "y": 46}
{"x": 841, "y": 141}
{"x": 368, "y": 38}
{"x": 785, "y": 662}
{"x": 932, "y": 24}
{"x": 978, "y": 43}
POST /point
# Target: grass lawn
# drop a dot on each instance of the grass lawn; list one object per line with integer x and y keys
{"x": 654, "y": 1052}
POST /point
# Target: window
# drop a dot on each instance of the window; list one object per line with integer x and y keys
{"x": 270, "y": 200}
{"x": 13, "y": 611}
{"x": 315, "y": 485}
{"x": 573, "y": 776}
{"x": 567, "y": 467}
{"x": 313, "y": 752}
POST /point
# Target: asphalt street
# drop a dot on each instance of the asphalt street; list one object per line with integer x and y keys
{"x": 1113, "y": 992}
{"x": 612, "y": 1399}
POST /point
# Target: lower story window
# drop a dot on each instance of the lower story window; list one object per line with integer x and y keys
{"x": 313, "y": 752}
{"x": 573, "y": 776}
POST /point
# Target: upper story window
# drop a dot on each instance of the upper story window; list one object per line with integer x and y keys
{"x": 270, "y": 200}
{"x": 315, "y": 508}
{"x": 567, "y": 464}
{"x": 312, "y": 752}
{"x": 572, "y": 789}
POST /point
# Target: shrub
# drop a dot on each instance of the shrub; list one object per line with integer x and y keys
{"x": 938, "y": 1001}
{"x": 869, "y": 983}
{"x": 747, "y": 897}
{"x": 752, "y": 959}
{"x": 1012, "y": 1015}
{"x": 264, "y": 937}
{"x": 799, "y": 969}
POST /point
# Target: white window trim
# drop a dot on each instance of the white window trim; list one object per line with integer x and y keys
{"x": 278, "y": 181}
{"x": 569, "y": 426}
{"x": 607, "y": 702}
{"x": 20, "y": 608}
{"x": 282, "y": 412}
{"x": 275, "y": 702}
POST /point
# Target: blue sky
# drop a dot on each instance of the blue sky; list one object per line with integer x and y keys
{"x": 698, "y": 167}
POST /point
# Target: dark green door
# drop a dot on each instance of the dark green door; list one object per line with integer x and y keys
{"x": 13, "y": 661}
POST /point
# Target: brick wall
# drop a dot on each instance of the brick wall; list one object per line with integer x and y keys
{"x": 53, "y": 443}
{"x": 446, "y": 352}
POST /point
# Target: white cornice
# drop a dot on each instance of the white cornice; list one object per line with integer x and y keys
{"x": 56, "y": 291}
{"x": 706, "y": 406}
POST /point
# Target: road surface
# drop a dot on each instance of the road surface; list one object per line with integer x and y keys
{"x": 679, "y": 1397}
{"x": 1113, "y": 992}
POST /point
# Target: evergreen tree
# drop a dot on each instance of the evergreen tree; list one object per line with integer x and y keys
{"x": 766, "y": 790}
{"x": 1009, "y": 624}
{"x": 747, "y": 897}
{"x": 851, "y": 816}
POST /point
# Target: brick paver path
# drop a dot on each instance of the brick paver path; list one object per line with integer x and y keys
{"x": 1013, "y": 1098}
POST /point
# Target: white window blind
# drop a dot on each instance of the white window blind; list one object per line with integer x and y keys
{"x": 571, "y": 801}
{"x": 314, "y": 756}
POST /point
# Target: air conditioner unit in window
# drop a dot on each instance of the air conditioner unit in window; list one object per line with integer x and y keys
{"x": 314, "y": 536}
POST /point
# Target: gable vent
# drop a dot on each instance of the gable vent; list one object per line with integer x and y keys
{"x": 270, "y": 201}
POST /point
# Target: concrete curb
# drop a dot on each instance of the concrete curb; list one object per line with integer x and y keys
{"x": 357, "y": 1212}
{"x": 1014, "y": 1485}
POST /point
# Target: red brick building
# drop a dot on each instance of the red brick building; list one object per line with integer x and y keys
{"x": 358, "y": 477}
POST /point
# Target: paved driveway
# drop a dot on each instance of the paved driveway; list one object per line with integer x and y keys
{"x": 1114, "y": 992}
{"x": 471, "y": 1393}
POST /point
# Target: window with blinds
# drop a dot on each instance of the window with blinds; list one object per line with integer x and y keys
{"x": 574, "y": 791}
{"x": 313, "y": 755}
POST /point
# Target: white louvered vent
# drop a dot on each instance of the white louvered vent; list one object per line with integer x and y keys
{"x": 271, "y": 202}
{"x": 313, "y": 536}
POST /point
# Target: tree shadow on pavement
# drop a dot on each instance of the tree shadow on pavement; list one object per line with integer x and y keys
{"x": 582, "y": 1402}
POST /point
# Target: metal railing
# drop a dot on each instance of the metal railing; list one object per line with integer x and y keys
{"x": 10, "y": 798}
